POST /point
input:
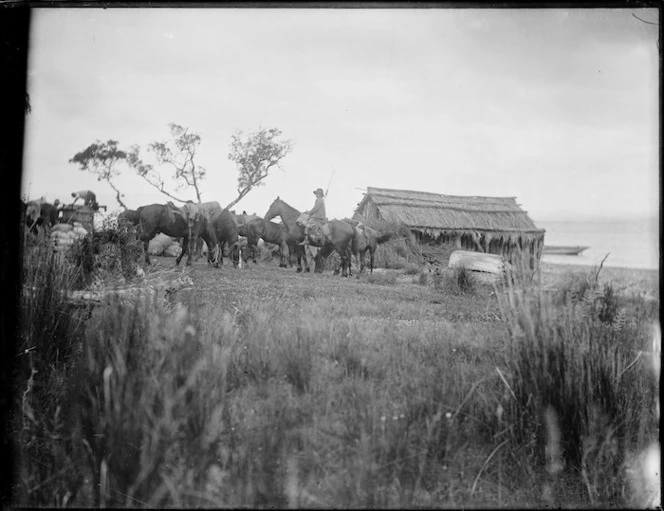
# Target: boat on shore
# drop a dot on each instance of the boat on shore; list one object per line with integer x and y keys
{"x": 562, "y": 250}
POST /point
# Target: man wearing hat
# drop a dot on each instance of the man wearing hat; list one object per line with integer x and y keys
{"x": 89, "y": 198}
{"x": 316, "y": 215}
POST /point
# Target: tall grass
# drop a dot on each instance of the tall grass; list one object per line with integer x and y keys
{"x": 398, "y": 253}
{"x": 49, "y": 338}
{"x": 246, "y": 409}
{"x": 578, "y": 360}
{"x": 141, "y": 402}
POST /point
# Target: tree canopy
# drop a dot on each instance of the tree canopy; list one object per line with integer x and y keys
{"x": 101, "y": 158}
{"x": 254, "y": 155}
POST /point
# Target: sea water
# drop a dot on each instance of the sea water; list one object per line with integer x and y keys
{"x": 628, "y": 243}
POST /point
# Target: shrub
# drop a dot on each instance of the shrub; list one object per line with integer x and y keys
{"x": 412, "y": 269}
{"x": 385, "y": 279}
{"x": 438, "y": 279}
{"x": 460, "y": 281}
{"x": 400, "y": 252}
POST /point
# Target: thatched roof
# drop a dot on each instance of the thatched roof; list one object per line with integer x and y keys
{"x": 434, "y": 213}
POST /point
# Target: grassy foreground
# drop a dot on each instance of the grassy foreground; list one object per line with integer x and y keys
{"x": 260, "y": 387}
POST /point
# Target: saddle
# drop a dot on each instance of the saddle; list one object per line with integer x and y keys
{"x": 172, "y": 210}
{"x": 189, "y": 212}
{"x": 320, "y": 233}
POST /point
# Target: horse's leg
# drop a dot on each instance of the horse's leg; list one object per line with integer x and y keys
{"x": 350, "y": 261}
{"x": 235, "y": 255}
{"x": 192, "y": 249}
{"x": 306, "y": 260}
{"x": 348, "y": 258}
{"x": 284, "y": 255}
{"x": 145, "y": 249}
{"x": 216, "y": 255}
{"x": 185, "y": 250}
{"x": 298, "y": 253}
{"x": 142, "y": 234}
{"x": 213, "y": 251}
{"x": 251, "y": 250}
{"x": 362, "y": 257}
{"x": 212, "y": 254}
{"x": 345, "y": 263}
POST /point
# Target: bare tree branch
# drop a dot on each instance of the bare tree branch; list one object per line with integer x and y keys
{"x": 177, "y": 153}
{"x": 147, "y": 172}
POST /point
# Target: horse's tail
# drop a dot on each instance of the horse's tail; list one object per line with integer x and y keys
{"x": 372, "y": 251}
{"x": 353, "y": 244}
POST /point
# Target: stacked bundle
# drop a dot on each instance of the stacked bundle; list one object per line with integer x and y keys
{"x": 173, "y": 250}
{"x": 63, "y": 236}
{"x": 162, "y": 244}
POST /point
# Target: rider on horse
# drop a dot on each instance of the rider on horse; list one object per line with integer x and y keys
{"x": 316, "y": 216}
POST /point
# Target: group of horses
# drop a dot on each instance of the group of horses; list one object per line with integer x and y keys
{"x": 219, "y": 227}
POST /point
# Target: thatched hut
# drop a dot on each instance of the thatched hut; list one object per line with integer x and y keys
{"x": 495, "y": 225}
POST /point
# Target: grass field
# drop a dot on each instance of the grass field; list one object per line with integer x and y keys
{"x": 260, "y": 387}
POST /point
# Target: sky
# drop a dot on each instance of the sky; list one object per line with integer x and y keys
{"x": 556, "y": 107}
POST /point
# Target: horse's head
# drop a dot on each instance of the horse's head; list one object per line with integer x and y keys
{"x": 193, "y": 221}
{"x": 274, "y": 210}
{"x": 33, "y": 211}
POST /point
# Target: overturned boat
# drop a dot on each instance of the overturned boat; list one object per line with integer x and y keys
{"x": 562, "y": 250}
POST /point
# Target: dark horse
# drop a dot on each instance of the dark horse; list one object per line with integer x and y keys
{"x": 340, "y": 238}
{"x": 156, "y": 218}
{"x": 225, "y": 229}
{"x": 270, "y": 232}
{"x": 244, "y": 229}
{"x": 365, "y": 240}
{"x": 129, "y": 216}
{"x": 39, "y": 214}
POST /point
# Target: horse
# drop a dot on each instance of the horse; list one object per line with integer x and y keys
{"x": 339, "y": 239}
{"x": 244, "y": 229}
{"x": 129, "y": 216}
{"x": 365, "y": 240}
{"x": 225, "y": 228}
{"x": 172, "y": 221}
{"x": 40, "y": 214}
{"x": 270, "y": 232}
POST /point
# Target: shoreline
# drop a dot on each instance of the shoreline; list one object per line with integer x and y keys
{"x": 629, "y": 280}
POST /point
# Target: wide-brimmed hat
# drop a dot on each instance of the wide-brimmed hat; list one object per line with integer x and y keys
{"x": 319, "y": 190}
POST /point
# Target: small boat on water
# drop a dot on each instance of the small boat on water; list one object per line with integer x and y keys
{"x": 562, "y": 250}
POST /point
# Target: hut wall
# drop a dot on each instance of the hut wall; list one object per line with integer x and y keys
{"x": 516, "y": 250}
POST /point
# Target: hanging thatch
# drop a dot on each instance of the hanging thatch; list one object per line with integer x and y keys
{"x": 487, "y": 224}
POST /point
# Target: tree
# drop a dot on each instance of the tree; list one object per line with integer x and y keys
{"x": 178, "y": 153}
{"x": 101, "y": 159}
{"x": 254, "y": 156}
